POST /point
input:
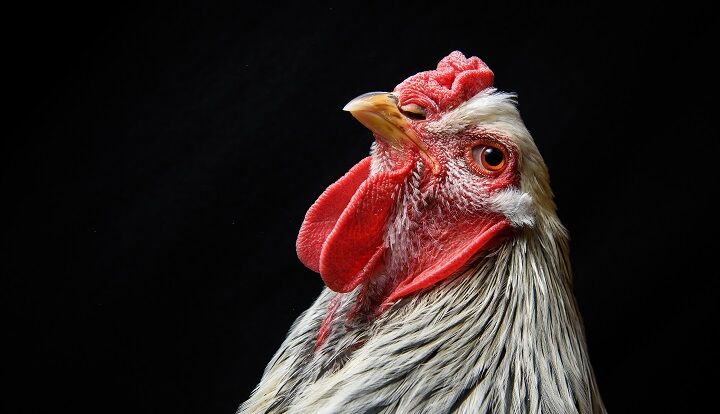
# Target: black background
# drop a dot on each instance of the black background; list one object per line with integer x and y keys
{"x": 158, "y": 161}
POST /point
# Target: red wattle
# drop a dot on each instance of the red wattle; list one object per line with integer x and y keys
{"x": 355, "y": 246}
{"x": 342, "y": 235}
{"x": 468, "y": 239}
{"x": 325, "y": 212}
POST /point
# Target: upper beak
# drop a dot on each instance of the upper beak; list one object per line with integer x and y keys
{"x": 379, "y": 112}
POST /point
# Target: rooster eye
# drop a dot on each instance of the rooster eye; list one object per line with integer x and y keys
{"x": 413, "y": 111}
{"x": 490, "y": 159}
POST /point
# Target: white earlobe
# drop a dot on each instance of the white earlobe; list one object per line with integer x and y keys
{"x": 514, "y": 204}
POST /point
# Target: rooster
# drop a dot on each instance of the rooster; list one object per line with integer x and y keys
{"x": 449, "y": 286}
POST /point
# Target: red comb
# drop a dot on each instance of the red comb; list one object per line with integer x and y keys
{"x": 455, "y": 80}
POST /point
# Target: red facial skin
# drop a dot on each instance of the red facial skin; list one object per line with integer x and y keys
{"x": 444, "y": 148}
{"x": 452, "y": 239}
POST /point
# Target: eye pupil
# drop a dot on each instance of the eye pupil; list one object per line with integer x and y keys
{"x": 489, "y": 158}
{"x": 492, "y": 157}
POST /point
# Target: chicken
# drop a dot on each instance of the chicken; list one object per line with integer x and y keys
{"x": 449, "y": 286}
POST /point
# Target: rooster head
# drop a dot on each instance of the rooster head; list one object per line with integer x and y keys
{"x": 452, "y": 173}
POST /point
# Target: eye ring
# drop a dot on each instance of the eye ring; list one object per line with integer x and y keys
{"x": 488, "y": 159}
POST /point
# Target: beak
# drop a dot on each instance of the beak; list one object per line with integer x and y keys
{"x": 379, "y": 112}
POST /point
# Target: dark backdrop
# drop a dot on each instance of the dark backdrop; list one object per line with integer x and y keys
{"x": 158, "y": 161}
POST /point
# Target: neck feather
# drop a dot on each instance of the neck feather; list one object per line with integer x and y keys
{"x": 504, "y": 335}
